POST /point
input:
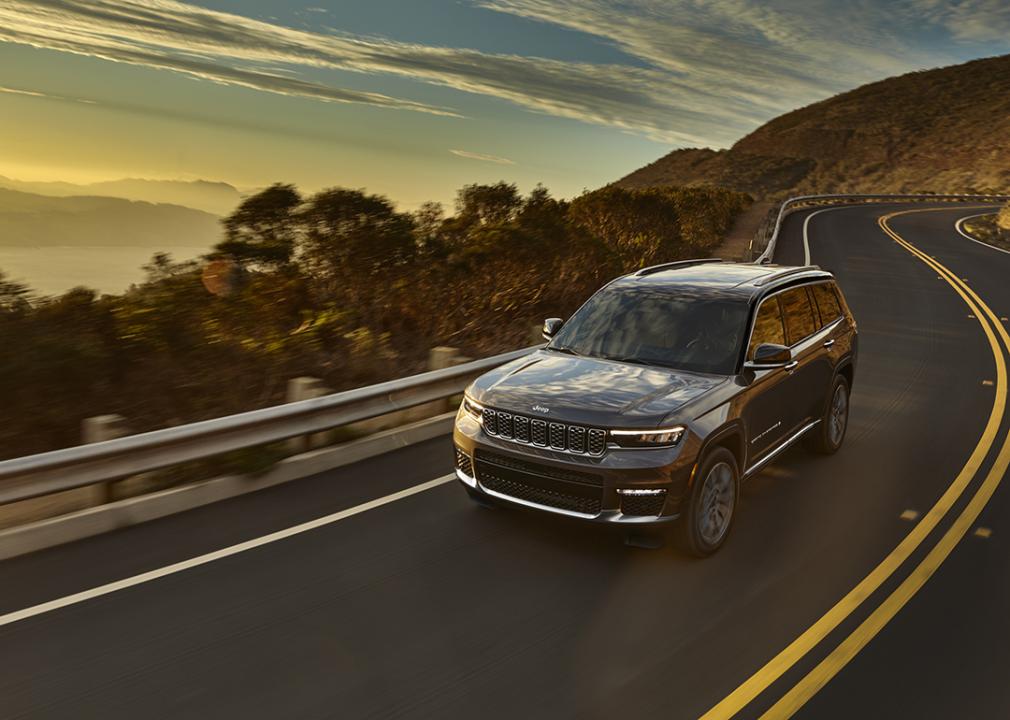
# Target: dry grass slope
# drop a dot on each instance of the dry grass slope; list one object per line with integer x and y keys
{"x": 943, "y": 130}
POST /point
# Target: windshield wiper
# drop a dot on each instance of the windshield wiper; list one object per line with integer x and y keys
{"x": 627, "y": 359}
{"x": 635, "y": 361}
{"x": 565, "y": 349}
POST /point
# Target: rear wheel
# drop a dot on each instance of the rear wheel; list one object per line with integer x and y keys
{"x": 712, "y": 504}
{"x": 827, "y": 436}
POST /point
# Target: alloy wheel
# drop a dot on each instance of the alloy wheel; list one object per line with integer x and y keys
{"x": 839, "y": 415}
{"x": 718, "y": 497}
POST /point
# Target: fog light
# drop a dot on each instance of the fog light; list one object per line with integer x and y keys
{"x": 640, "y": 491}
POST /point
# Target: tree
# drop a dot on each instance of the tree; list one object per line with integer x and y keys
{"x": 263, "y": 230}
{"x": 14, "y": 296}
{"x": 488, "y": 204}
{"x": 642, "y": 226}
{"x": 349, "y": 233}
{"x": 544, "y": 218}
{"x": 428, "y": 220}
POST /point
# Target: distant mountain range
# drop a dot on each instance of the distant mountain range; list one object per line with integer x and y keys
{"x": 218, "y": 198}
{"x": 29, "y": 219}
{"x": 944, "y": 130}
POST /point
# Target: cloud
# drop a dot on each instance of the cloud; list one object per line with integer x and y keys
{"x": 966, "y": 20}
{"x": 173, "y": 36}
{"x": 484, "y": 158}
{"x": 698, "y": 72}
{"x": 739, "y": 61}
{"x": 238, "y": 50}
{"x": 48, "y": 96}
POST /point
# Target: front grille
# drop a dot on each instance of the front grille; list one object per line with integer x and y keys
{"x": 557, "y": 436}
{"x": 532, "y": 468}
{"x": 463, "y": 463}
{"x": 642, "y": 504}
{"x": 540, "y": 484}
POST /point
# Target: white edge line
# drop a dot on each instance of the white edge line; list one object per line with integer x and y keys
{"x": 17, "y": 615}
{"x": 806, "y": 238}
{"x": 960, "y": 230}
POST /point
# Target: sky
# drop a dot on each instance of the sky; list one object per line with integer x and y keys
{"x": 414, "y": 98}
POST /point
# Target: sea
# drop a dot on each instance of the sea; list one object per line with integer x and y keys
{"x": 54, "y": 270}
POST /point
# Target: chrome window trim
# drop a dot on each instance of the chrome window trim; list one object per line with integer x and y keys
{"x": 816, "y": 281}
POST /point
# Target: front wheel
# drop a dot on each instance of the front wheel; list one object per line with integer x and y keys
{"x": 827, "y": 436}
{"x": 712, "y": 504}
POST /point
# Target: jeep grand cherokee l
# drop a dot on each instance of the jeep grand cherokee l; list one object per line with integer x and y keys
{"x": 664, "y": 391}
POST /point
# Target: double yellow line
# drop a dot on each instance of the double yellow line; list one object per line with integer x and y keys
{"x": 817, "y": 678}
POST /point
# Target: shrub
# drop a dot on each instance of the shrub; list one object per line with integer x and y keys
{"x": 341, "y": 286}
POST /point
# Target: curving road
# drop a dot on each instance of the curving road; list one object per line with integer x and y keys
{"x": 427, "y": 606}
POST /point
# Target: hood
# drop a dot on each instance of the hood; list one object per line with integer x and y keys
{"x": 589, "y": 390}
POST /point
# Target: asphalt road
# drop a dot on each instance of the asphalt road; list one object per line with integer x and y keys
{"x": 432, "y": 607}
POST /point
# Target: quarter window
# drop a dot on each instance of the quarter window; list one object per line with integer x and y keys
{"x": 799, "y": 313}
{"x": 768, "y": 326}
{"x": 827, "y": 302}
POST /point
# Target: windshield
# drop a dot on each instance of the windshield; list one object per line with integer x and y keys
{"x": 658, "y": 326}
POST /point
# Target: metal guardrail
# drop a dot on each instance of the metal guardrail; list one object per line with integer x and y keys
{"x": 800, "y": 201}
{"x": 74, "y": 467}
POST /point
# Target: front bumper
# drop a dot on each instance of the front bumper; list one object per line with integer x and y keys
{"x": 595, "y": 489}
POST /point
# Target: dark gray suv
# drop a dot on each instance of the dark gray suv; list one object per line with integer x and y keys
{"x": 665, "y": 390}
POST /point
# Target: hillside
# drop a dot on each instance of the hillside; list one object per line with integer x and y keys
{"x": 943, "y": 130}
{"x": 213, "y": 197}
{"x": 27, "y": 219}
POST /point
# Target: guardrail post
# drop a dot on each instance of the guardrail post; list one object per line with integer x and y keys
{"x": 99, "y": 429}
{"x": 306, "y": 388}
{"x": 439, "y": 358}
{"x": 442, "y": 357}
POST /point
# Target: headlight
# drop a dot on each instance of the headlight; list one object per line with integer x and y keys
{"x": 471, "y": 408}
{"x": 660, "y": 437}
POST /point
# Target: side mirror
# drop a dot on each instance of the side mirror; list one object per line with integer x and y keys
{"x": 770, "y": 355}
{"x": 551, "y": 327}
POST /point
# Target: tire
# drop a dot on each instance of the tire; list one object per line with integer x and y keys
{"x": 829, "y": 434}
{"x": 703, "y": 529}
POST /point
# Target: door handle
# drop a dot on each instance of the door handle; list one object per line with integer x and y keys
{"x": 791, "y": 365}
{"x": 829, "y": 343}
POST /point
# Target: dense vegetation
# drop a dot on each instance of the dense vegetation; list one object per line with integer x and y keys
{"x": 942, "y": 130}
{"x": 341, "y": 286}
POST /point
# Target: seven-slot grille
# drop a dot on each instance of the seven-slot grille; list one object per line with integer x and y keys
{"x": 534, "y": 431}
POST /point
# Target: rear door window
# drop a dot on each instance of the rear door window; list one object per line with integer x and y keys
{"x": 826, "y": 298}
{"x": 801, "y": 319}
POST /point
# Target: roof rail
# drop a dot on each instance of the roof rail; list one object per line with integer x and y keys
{"x": 676, "y": 264}
{"x": 784, "y": 273}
